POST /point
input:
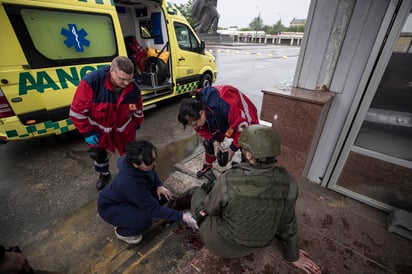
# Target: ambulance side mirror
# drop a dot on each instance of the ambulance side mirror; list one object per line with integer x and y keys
{"x": 202, "y": 47}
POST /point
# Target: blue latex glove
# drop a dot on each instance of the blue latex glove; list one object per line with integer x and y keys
{"x": 92, "y": 140}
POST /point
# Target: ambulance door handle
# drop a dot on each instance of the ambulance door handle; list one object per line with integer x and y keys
{"x": 181, "y": 59}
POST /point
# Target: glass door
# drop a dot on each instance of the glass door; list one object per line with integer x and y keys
{"x": 376, "y": 162}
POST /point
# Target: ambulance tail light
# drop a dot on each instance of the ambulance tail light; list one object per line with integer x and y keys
{"x": 5, "y": 108}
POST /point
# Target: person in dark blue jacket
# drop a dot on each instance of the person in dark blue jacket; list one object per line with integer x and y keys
{"x": 136, "y": 195}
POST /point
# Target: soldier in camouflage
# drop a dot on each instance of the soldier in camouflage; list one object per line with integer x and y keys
{"x": 252, "y": 203}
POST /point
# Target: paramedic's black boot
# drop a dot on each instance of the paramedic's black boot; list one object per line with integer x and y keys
{"x": 104, "y": 179}
{"x": 210, "y": 176}
{"x": 211, "y": 180}
{"x": 207, "y": 187}
{"x": 223, "y": 158}
{"x": 206, "y": 168}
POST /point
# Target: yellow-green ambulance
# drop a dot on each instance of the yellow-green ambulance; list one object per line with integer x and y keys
{"x": 47, "y": 46}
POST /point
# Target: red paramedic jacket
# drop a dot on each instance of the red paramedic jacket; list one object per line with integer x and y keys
{"x": 96, "y": 108}
{"x": 228, "y": 112}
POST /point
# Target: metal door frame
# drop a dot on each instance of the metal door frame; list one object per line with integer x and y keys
{"x": 394, "y": 20}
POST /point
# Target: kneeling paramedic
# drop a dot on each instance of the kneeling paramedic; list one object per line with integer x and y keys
{"x": 216, "y": 113}
{"x": 135, "y": 198}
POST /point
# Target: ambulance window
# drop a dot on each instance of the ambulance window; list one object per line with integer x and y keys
{"x": 59, "y": 37}
{"x": 186, "y": 38}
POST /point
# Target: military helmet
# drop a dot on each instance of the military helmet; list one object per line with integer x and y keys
{"x": 261, "y": 141}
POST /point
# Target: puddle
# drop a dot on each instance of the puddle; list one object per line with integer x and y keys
{"x": 173, "y": 153}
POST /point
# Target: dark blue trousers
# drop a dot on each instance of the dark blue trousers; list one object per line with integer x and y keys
{"x": 130, "y": 220}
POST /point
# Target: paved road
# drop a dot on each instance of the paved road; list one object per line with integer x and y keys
{"x": 252, "y": 69}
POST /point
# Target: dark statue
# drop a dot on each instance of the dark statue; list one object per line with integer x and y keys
{"x": 206, "y": 15}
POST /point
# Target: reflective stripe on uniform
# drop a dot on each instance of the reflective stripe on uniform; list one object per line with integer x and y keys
{"x": 138, "y": 115}
{"x": 121, "y": 129}
{"x": 105, "y": 164}
{"x": 245, "y": 107}
{"x": 92, "y": 122}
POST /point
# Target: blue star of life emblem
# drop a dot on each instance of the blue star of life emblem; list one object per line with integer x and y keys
{"x": 75, "y": 37}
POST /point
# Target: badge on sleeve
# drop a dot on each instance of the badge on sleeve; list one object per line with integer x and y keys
{"x": 229, "y": 132}
{"x": 132, "y": 106}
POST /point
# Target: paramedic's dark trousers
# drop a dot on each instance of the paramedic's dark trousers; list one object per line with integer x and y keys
{"x": 101, "y": 161}
{"x": 129, "y": 220}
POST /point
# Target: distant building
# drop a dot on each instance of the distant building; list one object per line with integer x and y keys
{"x": 243, "y": 33}
{"x": 297, "y": 22}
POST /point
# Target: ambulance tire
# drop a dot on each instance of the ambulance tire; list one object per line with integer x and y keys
{"x": 156, "y": 65}
{"x": 205, "y": 81}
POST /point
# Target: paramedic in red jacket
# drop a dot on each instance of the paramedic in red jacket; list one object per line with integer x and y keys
{"x": 107, "y": 109}
{"x": 216, "y": 113}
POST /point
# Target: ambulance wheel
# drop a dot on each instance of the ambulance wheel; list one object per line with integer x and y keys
{"x": 205, "y": 81}
{"x": 155, "y": 65}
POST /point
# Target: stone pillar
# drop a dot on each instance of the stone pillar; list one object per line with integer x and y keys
{"x": 298, "y": 116}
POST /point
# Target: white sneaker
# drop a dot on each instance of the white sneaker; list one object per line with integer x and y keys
{"x": 129, "y": 239}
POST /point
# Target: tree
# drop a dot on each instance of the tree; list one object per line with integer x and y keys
{"x": 297, "y": 29}
{"x": 256, "y": 24}
{"x": 278, "y": 27}
{"x": 186, "y": 10}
